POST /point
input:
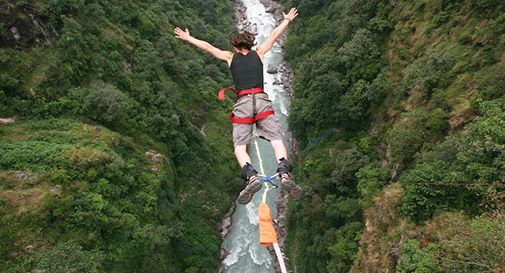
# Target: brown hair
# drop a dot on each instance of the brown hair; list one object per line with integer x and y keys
{"x": 243, "y": 40}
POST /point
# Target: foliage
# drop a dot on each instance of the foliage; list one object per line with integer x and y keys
{"x": 473, "y": 159}
{"x": 422, "y": 81}
{"x": 107, "y": 105}
{"x": 371, "y": 179}
{"x": 66, "y": 257}
{"x": 425, "y": 75}
{"x": 405, "y": 140}
{"x": 111, "y": 118}
{"x": 337, "y": 87}
{"x": 331, "y": 243}
{"x": 344, "y": 251}
{"x": 470, "y": 245}
{"x": 415, "y": 259}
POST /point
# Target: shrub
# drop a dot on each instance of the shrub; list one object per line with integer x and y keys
{"x": 437, "y": 122}
{"x": 470, "y": 244}
{"x": 426, "y": 74}
{"x": 105, "y": 103}
{"x": 415, "y": 259}
{"x": 492, "y": 82}
{"x": 7, "y": 231}
{"x": 488, "y": 5}
{"x": 405, "y": 140}
{"x": 360, "y": 57}
{"x": 69, "y": 257}
{"x": 344, "y": 251}
{"x": 32, "y": 155}
{"x": 348, "y": 162}
{"x": 434, "y": 186}
{"x": 371, "y": 179}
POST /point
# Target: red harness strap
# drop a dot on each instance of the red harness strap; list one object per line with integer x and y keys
{"x": 250, "y": 120}
{"x": 239, "y": 93}
{"x": 247, "y": 120}
{"x": 220, "y": 94}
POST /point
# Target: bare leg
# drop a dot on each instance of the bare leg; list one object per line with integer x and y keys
{"x": 279, "y": 149}
{"x": 242, "y": 155}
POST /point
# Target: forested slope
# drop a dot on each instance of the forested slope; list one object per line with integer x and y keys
{"x": 120, "y": 158}
{"x": 398, "y": 112}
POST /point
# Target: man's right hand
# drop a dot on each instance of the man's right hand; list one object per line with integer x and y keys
{"x": 181, "y": 34}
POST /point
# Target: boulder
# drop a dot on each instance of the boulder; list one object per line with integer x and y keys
{"x": 272, "y": 69}
{"x": 270, "y": 9}
{"x": 7, "y": 120}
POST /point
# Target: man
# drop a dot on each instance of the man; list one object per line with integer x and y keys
{"x": 253, "y": 105}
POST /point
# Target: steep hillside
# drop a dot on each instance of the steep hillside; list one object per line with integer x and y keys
{"x": 407, "y": 93}
{"x": 120, "y": 158}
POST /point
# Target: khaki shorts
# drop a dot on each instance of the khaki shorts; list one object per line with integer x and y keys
{"x": 267, "y": 128}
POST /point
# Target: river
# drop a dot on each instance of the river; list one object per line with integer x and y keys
{"x": 245, "y": 253}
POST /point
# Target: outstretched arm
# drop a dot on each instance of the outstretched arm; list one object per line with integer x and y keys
{"x": 205, "y": 46}
{"x": 267, "y": 45}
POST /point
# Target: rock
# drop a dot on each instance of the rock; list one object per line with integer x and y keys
{"x": 7, "y": 120}
{"x": 15, "y": 33}
{"x": 254, "y": 29}
{"x": 271, "y": 69}
{"x": 270, "y": 9}
{"x": 154, "y": 156}
{"x": 29, "y": 249}
{"x": 396, "y": 172}
{"x": 224, "y": 253}
{"x": 127, "y": 65}
{"x": 20, "y": 175}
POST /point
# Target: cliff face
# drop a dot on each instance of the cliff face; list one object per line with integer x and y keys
{"x": 25, "y": 24}
{"x": 398, "y": 109}
{"x": 110, "y": 163}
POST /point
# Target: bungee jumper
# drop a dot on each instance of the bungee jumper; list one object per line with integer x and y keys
{"x": 252, "y": 106}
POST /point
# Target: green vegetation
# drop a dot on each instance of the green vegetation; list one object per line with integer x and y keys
{"x": 406, "y": 93}
{"x": 416, "y": 260}
{"x": 108, "y": 166}
{"x": 398, "y": 112}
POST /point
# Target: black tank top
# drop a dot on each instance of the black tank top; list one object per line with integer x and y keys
{"x": 247, "y": 70}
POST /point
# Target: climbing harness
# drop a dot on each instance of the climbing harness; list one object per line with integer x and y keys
{"x": 268, "y": 235}
{"x": 239, "y": 94}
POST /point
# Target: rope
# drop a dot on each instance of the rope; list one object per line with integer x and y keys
{"x": 452, "y": 184}
{"x": 280, "y": 258}
{"x": 264, "y": 197}
{"x": 260, "y": 160}
{"x": 278, "y": 251}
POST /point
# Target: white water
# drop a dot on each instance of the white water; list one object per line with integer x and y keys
{"x": 242, "y": 242}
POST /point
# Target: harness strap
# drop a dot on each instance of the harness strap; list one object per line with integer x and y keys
{"x": 249, "y": 91}
{"x": 250, "y": 120}
{"x": 240, "y": 93}
{"x": 246, "y": 120}
{"x": 220, "y": 94}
